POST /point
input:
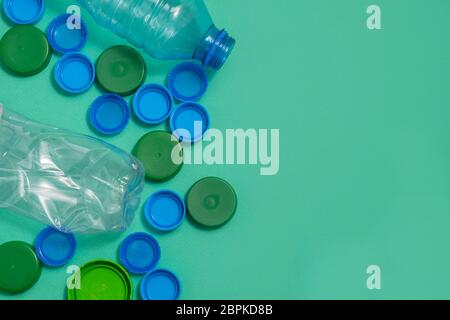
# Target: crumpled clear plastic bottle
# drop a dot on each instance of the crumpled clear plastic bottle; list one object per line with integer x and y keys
{"x": 73, "y": 182}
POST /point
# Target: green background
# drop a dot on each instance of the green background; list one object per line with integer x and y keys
{"x": 364, "y": 164}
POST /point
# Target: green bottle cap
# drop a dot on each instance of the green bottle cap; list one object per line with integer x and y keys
{"x": 20, "y": 268}
{"x": 102, "y": 280}
{"x": 25, "y": 50}
{"x": 121, "y": 69}
{"x": 155, "y": 150}
{"x": 211, "y": 202}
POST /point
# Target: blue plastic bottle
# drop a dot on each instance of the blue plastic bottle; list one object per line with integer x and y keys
{"x": 166, "y": 29}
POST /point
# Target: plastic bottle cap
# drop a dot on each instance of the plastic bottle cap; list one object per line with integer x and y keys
{"x": 24, "y": 11}
{"x": 139, "y": 253}
{"x": 189, "y": 122}
{"x": 25, "y": 50}
{"x": 211, "y": 202}
{"x": 121, "y": 69}
{"x": 20, "y": 268}
{"x": 187, "y": 81}
{"x": 109, "y": 114}
{"x": 152, "y": 104}
{"x": 160, "y": 284}
{"x": 55, "y": 248}
{"x": 62, "y": 38}
{"x": 165, "y": 210}
{"x": 102, "y": 280}
{"x": 155, "y": 150}
{"x": 74, "y": 73}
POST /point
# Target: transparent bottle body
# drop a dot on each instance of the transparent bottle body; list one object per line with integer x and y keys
{"x": 166, "y": 29}
{"x": 71, "y": 181}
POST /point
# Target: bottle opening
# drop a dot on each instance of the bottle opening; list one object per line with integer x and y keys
{"x": 215, "y": 48}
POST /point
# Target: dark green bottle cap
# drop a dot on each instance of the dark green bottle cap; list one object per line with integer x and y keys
{"x": 155, "y": 150}
{"x": 25, "y": 50}
{"x": 211, "y": 202}
{"x": 20, "y": 268}
{"x": 121, "y": 69}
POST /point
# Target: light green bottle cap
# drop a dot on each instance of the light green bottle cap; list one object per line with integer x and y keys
{"x": 102, "y": 280}
{"x": 121, "y": 69}
{"x": 20, "y": 268}
{"x": 25, "y": 50}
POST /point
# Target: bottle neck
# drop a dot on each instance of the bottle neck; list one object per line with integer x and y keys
{"x": 215, "y": 47}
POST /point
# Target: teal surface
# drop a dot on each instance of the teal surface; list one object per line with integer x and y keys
{"x": 364, "y": 119}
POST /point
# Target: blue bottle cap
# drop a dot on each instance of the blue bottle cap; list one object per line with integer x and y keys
{"x": 189, "y": 122}
{"x": 165, "y": 210}
{"x": 160, "y": 284}
{"x": 74, "y": 73}
{"x": 62, "y": 38}
{"x": 109, "y": 114}
{"x": 55, "y": 248}
{"x": 139, "y": 253}
{"x": 187, "y": 81}
{"x": 24, "y": 11}
{"x": 152, "y": 104}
